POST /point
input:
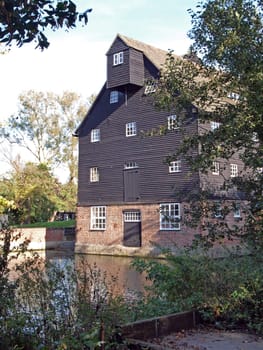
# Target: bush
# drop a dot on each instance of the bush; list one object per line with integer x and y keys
{"x": 227, "y": 292}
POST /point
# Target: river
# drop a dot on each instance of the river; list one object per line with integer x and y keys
{"x": 126, "y": 279}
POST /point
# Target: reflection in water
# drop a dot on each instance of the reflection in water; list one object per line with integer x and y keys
{"x": 128, "y": 280}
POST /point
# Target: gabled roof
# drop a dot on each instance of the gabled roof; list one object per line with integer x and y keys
{"x": 155, "y": 55}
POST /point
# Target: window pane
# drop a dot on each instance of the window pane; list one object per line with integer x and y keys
{"x": 98, "y": 218}
{"x": 114, "y": 96}
{"x": 95, "y": 135}
{"x": 131, "y": 129}
{"x": 172, "y": 122}
{"x": 170, "y": 216}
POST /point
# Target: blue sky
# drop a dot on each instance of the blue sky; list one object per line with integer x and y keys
{"x": 76, "y": 59}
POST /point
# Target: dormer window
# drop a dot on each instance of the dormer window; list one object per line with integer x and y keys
{"x": 118, "y": 58}
{"x": 95, "y": 135}
{"x": 114, "y": 96}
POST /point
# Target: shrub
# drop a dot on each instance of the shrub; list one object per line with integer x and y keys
{"x": 227, "y": 291}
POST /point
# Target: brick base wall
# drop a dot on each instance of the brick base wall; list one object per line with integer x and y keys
{"x": 110, "y": 241}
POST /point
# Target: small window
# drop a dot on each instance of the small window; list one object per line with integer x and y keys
{"x": 150, "y": 87}
{"x": 94, "y": 174}
{"x": 218, "y": 211}
{"x": 172, "y": 122}
{"x": 118, "y": 58}
{"x": 95, "y": 135}
{"x": 233, "y": 96}
{"x": 131, "y": 129}
{"x": 132, "y": 216}
{"x": 214, "y": 125}
{"x": 114, "y": 96}
{"x": 237, "y": 211}
{"x": 98, "y": 218}
{"x": 175, "y": 166}
{"x": 170, "y": 216}
{"x": 131, "y": 165}
{"x": 215, "y": 168}
{"x": 233, "y": 170}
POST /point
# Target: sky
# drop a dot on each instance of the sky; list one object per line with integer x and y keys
{"x": 76, "y": 61}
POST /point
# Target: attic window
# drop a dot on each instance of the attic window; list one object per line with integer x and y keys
{"x": 118, "y": 58}
{"x": 114, "y": 96}
{"x": 150, "y": 87}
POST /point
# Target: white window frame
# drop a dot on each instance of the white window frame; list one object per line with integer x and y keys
{"x": 118, "y": 58}
{"x": 237, "y": 211}
{"x": 98, "y": 218}
{"x": 95, "y": 135}
{"x": 215, "y": 168}
{"x": 233, "y": 170}
{"x": 132, "y": 216}
{"x": 131, "y": 129}
{"x": 170, "y": 216}
{"x": 114, "y": 96}
{"x": 150, "y": 87}
{"x": 214, "y": 125}
{"x": 172, "y": 123}
{"x": 130, "y": 165}
{"x": 218, "y": 211}
{"x": 175, "y": 166}
{"x": 94, "y": 174}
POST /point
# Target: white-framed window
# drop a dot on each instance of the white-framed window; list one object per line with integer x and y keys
{"x": 214, "y": 125}
{"x": 150, "y": 87}
{"x": 233, "y": 96}
{"x": 114, "y": 96}
{"x": 215, "y": 168}
{"x": 175, "y": 166}
{"x": 233, "y": 170}
{"x": 118, "y": 58}
{"x": 237, "y": 211}
{"x": 218, "y": 211}
{"x": 95, "y": 135}
{"x": 132, "y": 216}
{"x": 94, "y": 174}
{"x": 131, "y": 129}
{"x": 131, "y": 165}
{"x": 172, "y": 122}
{"x": 98, "y": 218}
{"x": 170, "y": 216}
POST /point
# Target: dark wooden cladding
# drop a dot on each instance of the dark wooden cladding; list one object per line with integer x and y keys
{"x": 115, "y": 149}
{"x": 131, "y": 71}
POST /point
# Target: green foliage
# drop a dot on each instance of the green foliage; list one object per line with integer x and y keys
{"x": 224, "y": 85}
{"x": 44, "y": 126}
{"x": 25, "y": 21}
{"x": 35, "y": 194}
{"x": 226, "y": 291}
{"x": 56, "y": 305}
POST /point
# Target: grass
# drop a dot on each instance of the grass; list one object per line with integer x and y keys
{"x": 53, "y": 224}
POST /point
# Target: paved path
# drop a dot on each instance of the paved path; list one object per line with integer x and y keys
{"x": 210, "y": 340}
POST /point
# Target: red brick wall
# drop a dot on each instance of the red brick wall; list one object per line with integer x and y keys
{"x": 151, "y": 234}
{"x": 113, "y": 235}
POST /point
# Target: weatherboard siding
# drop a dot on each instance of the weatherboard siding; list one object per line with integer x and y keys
{"x": 115, "y": 149}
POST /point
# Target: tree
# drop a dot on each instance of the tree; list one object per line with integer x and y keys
{"x": 34, "y": 193}
{"x": 44, "y": 125}
{"x": 226, "y": 84}
{"x": 23, "y": 21}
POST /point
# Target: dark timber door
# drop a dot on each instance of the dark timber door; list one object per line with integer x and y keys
{"x": 131, "y": 185}
{"x": 132, "y": 228}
